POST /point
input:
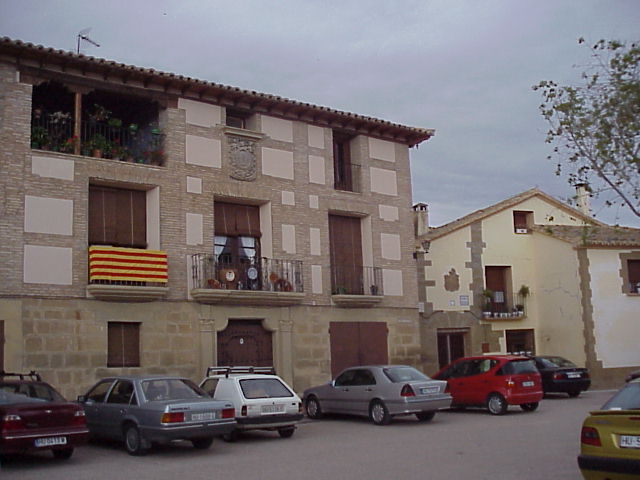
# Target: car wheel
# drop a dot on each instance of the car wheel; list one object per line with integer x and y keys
{"x": 378, "y": 413}
{"x": 63, "y": 453}
{"x": 573, "y": 393}
{"x": 313, "y": 408}
{"x": 425, "y": 416}
{"x": 133, "y": 441}
{"x": 496, "y": 404}
{"x": 529, "y": 407}
{"x": 230, "y": 437}
{"x": 202, "y": 443}
{"x": 286, "y": 432}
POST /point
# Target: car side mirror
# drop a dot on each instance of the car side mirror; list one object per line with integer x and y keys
{"x": 332, "y": 383}
{"x": 81, "y": 399}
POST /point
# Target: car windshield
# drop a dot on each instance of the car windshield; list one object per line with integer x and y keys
{"x": 40, "y": 391}
{"x": 515, "y": 367}
{"x": 264, "y": 388}
{"x": 171, "y": 389}
{"x": 555, "y": 362}
{"x": 404, "y": 374}
{"x": 626, "y": 399}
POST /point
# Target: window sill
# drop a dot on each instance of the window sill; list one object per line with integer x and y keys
{"x": 246, "y": 297}
{"x": 125, "y": 293}
{"x": 241, "y": 132}
{"x": 356, "y": 301}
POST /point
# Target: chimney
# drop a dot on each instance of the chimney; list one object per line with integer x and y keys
{"x": 582, "y": 198}
{"x": 420, "y": 219}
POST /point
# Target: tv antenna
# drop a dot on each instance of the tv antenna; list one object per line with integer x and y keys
{"x": 82, "y": 35}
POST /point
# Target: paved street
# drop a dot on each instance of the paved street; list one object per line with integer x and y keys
{"x": 457, "y": 445}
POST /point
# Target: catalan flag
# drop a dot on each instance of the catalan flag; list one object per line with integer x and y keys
{"x": 127, "y": 264}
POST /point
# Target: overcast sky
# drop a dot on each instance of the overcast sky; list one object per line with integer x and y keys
{"x": 462, "y": 67}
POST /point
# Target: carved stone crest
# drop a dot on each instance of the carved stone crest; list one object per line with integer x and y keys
{"x": 242, "y": 158}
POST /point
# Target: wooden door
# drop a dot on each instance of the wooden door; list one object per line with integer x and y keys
{"x": 357, "y": 343}
{"x": 245, "y": 342}
{"x": 1, "y": 345}
{"x": 450, "y": 347}
{"x": 345, "y": 244}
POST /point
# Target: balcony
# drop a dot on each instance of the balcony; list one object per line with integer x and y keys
{"x": 355, "y": 286}
{"x": 251, "y": 281}
{"x": 102, "y": 139}
{"x": 127, "y": 274}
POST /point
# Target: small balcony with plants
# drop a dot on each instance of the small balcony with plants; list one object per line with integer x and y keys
{"x": 110, "y": 125}
{"x": 498, "y": 305}
{"x": 356, "y": 286}
{"x": 248, "y": 281}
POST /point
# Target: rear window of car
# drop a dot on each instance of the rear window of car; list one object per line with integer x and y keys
{"x": 171, "y": 389}
{"x": 253, "y": 388}
{"x": 40, "y": 391}
{"x": 555, "y": 362}
{"x": 626, "y": 399}
{"x": 515, "y": 367}
{"x": 404, "y": 374}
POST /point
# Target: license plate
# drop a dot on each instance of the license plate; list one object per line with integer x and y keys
{"x": 573, "y": 375}
{"x": 428, "y": 390}
{"x": 528, "y": 384}
{"x": 199, "y": 417}
{"x": 629, "y": 441}
{"x": 49, "y": 441}
{"x": 272, "y": 409}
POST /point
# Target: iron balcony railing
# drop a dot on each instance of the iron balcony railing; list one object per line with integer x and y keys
{"x": 356, "y": 280}
{"x": 346, "y": 177}
{"x": 132, "y": 143}
{"x": 260, "y": 274}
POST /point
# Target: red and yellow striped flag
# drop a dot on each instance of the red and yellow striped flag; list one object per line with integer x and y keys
{"x": 127, "y": 264}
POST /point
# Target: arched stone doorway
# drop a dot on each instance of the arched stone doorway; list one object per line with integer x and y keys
{"x": 245, "y": 342}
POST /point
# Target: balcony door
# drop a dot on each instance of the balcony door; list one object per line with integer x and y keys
{"x": 345, "y": 244}
{"x": 117, "y": 217}
{"x": 498, "y": 279}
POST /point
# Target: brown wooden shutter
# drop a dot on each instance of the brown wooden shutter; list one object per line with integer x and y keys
{"x": 123, "y": 344}
{"x": 345, "y": 244}
{"x": 634, "y": 271}
{"x": 236, "y": 220}
{"x": 117, "y": 217}
{"x": 519, "y": 219}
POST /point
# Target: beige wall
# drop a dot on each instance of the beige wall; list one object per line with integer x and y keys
{"x": 616, "y": 315}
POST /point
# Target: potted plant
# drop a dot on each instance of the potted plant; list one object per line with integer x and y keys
{"x": 488, "y": 297}
{"x": 98, "y": 145}
{"x": 39, "y": 138}
{"x": 523, "y": 293}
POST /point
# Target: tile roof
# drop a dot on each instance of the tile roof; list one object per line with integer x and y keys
{"x": 25, "y": 54}
{"x": 593, "y": 235}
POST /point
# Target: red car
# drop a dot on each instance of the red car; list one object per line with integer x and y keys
{"x": 493, "y": 381}
{"x": 35, "y": 417}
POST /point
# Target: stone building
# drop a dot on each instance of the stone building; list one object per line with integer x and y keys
{"x": 535, "y": 275}
{"x": 155, "y": 223}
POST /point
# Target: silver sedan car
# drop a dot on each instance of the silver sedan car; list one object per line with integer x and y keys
{"x": 379, "y": 392}
{"x": 153, "y": 409}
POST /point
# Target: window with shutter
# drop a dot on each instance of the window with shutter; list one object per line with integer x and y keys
{"x": 117, "y": 217}
{"x": 123, "y": 344}
{"x": 345, "y": 246}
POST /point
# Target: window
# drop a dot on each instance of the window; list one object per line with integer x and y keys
{"x": 520, "y": 341}
{"x": 630, "y": 272}
{"x": 522, "y": 221}
{"x": 498, "y": 281}
{"x": 123, "y": 349}
{"x": 98, "y": 392}
{"x": 117, "y": 217}
{"x": 122, "y": 392}
{"x": 633, "y": 268}
{"x": 237, "y": 119}
{"x": 237, "y": 244}
{"x": 264, "y": 388}
{"x": 210, "y": 385}
{"x": 344, "y": 171}
{"x": 345, "y": 246}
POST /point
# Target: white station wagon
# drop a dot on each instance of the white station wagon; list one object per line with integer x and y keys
{"x": 263, "y": 401}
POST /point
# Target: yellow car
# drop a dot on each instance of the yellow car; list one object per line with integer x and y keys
{"x": 610, "y": 437}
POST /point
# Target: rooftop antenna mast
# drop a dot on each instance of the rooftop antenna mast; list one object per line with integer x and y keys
{"x": 82, "y": 35}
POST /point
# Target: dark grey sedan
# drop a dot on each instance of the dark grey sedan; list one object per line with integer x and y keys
{"x": 153, "y": 409}
{"x": 379, "y": 392}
